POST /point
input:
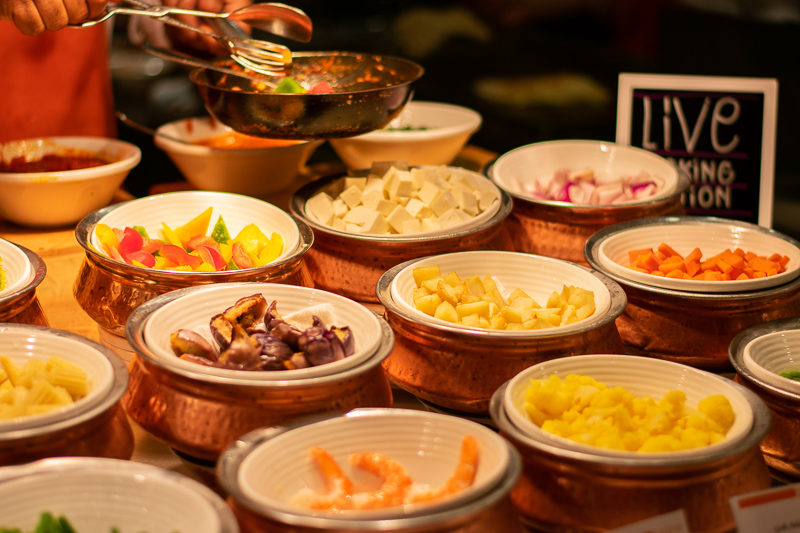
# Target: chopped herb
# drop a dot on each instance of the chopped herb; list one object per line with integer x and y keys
{"x": 792, "y": 374}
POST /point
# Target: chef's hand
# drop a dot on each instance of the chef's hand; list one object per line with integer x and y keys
{"x": 33, "y": 17}
{"x": 192, "y": 41}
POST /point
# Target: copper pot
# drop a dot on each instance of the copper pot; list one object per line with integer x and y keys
{"x": 110, "y": 290}
{"x": 200, "y": 414}
{"x": 565, "y": 489}
{"x": 460, "y": 369}
{"x": 98, "y": 427}
{"x": 489, "y": 510}
{"x": 351, "y": 264}
{"x": 22, "y": 306}
{"x": 561, "y": 229}
{"x": 781, "y": 446}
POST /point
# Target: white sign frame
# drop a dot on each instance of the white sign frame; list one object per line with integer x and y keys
{"x": 628, "y": 82}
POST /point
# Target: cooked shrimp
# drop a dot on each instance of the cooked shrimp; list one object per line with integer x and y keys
{"x": 338, "y": 485}
{"x": 395, "y": 481}
{"x": 463, "y": 476}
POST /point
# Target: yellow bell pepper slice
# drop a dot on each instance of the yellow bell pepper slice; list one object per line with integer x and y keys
{"x": 197, "y": 226}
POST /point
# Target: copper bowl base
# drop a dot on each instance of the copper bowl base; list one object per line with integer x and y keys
{"x": 200, "y": 419}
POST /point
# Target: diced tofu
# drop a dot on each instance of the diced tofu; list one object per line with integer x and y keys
{"x": 340, "y": 208}
{"x": 339, "y": 224}
{"x": 466, "y": 199}
{"x": 385, "y": 207}
{"x": 486, "y": 199}
{"x": 359, "y": 215}
{"x": 320, "y": 206}
{"x": 375, "y": 224}
{"x": 402, "y": 185}
{"x": 397, "y": 217}
{"x": 415, "y": 207}
{"x": 373, "y": 183}
{"x": 372, "y": 198}
{"x": 428, "y": 193}
{"x": 351, "y": 196}
{"x": 443, "y": 202}
{"x": 453, "y": 217}
{"x": 412, "y": 226}
{"x": 430, "y": 224}
{"x": 355, "y": 181}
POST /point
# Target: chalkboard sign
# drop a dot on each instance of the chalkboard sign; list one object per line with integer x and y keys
{"x": 719, "y": 130}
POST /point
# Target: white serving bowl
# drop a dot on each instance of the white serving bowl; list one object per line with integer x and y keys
{"x": 195, "y": 308}
{"x": 254, "y": 169}
{"x": 772, "y": 353}
{"x": 641, "y": 376}
{"x": 609, "y": 249}
{"x": 538, "y": 162}
{"x": 64, "y": 197}
{"x": 538, "y": 276}
{"x": 91, "y": 419}
{"x": 96, "y": 495}
{"x": 447, "y": 128}
{"x": 266, "y": 474}
{"x": 15, "y": 266}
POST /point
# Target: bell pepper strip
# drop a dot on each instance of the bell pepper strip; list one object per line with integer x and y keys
{"x": 197, "y": 226}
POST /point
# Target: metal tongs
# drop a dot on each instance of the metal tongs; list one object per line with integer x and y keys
{"x": 261, "y": 56}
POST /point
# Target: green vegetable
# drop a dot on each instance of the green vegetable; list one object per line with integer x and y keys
{"x": 792, "y": 374}
{"x": 220, "y": 231}
{"x": 407, "y": 128}
{"x": 141, "y": 231}
{"x": 289, "y": 85}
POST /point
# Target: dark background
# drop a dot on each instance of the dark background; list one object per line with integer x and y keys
{"x": 462, "y": 44}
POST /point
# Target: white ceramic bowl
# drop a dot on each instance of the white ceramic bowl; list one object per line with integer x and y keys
{"x": 642, "y": 376}
{"x": 427, "y": 444}
{"x": 256, "y": 171}
{"x": 768, "y": 355}
{"x": 521, "y": 167}
{"x": 15, "y": 267}
{"x": 58, "y": 198}
{"x": 447, "y": 128}
{"x": 609, "y": 249}
{"x": 195, "y": 307}
{"x": 177, "y": 208}
{"x": 538, "y": 276}
{"x": 96, "y": 495}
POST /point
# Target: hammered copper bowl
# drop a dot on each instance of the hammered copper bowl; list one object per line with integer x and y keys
{"x": 758, "y": 354}
{"x": 567, "y": 486}
{"x": 266, "y": 472}
{"x": 95, "y": 425}
{"x": 109, "y": 290}
{"x": 459, "y": 367}
{"x": 199, "y": 410}
{"x": 98, "y": 494}
{"x": 22, "y": 271}
{"x": 692, "y": 326}
{"x": 560, "y": 229}
{"x": 351, "y": 264}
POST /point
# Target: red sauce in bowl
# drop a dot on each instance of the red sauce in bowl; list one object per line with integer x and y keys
{"x": 52, "y": 163}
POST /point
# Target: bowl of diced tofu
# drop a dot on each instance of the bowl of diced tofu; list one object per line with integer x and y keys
{"x": 59, "y": 395}
{"x": 465, "y": 322}
{"x": 367, "y": 222}
{"x": 609, "y": 427}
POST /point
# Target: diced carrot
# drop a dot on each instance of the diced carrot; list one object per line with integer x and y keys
{"x": 712, "y": 275}
{"x": 673, "y": 263}
{"x": 633, "y": 255}
{"x": 677, "y": 274}
{"x": 660, "y": 256}
{"x": 668, "y": 250}
{"x": 734, "y": 260}
{"x": 739, "y": 252}
{"x": 694, "y": 255}
{"x": 722, "y": 266}
{"x": 762, "y": 264}
{"x": 749, "y": 256}
{"x": 742, "y": 276}
{"x": 657, "y": 273}
{"x": 647, "y": 262}
{"x": 692, "y": 266}
{"x": 758, "y": 274}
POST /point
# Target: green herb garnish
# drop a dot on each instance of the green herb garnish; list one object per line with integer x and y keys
{"x": 792, "y": 374}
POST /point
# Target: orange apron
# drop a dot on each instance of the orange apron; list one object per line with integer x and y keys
{"x": 57, "y": 83}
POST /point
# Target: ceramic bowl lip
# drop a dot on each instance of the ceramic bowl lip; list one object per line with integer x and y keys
{"x": 54, "y": 466}
{"x": 80, "y": 412}
{"x": 20, "y": 255}
{"x": 134, "y": 331}
{"x": 130, "y": 155}
{"x": 591, "y": 256}
{"x": 84, "y": 232}
{"x": 196, "y": 292}
{"x": 168, "y": 138}
{"x": 606, "y": 237}
{"x": 681, "y": 182}
{"x": 747, "y": 368}
{"x": 584, "y": 454}
{"x": 230, "y": 461}
{"x": 470, "y": 122}
{"x": 500, "y": 210}
{"x": 387, "y": 297}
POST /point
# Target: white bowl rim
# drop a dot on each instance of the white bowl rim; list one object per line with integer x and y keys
{"x": 250, "y": 376}
{"x": 282, "y": 378}
{"x": 472, "y": 122}
{"x": 788, "y": 385}
{"x": 498, "y": 212}
{"x": 680, "y": 455}
{"x": 231, "y": 460}
{"x": 389, "y": 297}
{"x": 55, "y": 465}
{"x": 8, "y": 248}
{"x": 593, "y": 252}
{"x": 674, "y": 188}
{"x": 78, "y": 412}
{"x": 168, "y": 140}
{"x": 130, "y": 160}
{"x": 736, "y": 352}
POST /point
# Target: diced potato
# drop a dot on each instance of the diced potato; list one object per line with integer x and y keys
{"x": 446, "y": 311}
{"x": 472, "y": 320}
{"x": 453, "y": 279}
{"x": 426, "y": 272}
{"x": 428, "y": 304}
{"x": 497, "y": 321}
{"x": 447, "y": 293}
{"x": 480, "y": 308}
{"x": 474, "y": 285}
{"x": 524, "y": 303}
{"x": 518, "y": 293}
